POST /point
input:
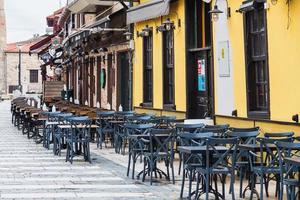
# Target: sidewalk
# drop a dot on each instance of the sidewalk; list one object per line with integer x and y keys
{"x": 29, "y": 171}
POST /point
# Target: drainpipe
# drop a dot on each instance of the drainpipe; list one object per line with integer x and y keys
{"x": 130, "y": 52}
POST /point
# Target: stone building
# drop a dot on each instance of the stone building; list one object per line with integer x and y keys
{"x": 31, "y": 80}
{"x": 2, "y": 45}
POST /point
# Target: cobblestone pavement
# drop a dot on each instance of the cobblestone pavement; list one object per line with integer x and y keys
{"x": 29, "y": 171}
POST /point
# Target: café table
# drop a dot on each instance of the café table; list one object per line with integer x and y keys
{"x": 196, "y": 150}
{"x": 294, "y": 162}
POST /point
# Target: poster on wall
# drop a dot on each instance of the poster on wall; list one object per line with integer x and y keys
{"x": 201, "y": 75}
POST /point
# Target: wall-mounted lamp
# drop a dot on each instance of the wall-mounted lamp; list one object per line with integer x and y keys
{"x": 128, "y": 35}
{"x": 145, "y": 32}
{"x": 166, "y": 26}
{"x": 216, "y": 11}
{"x": 295, "y": 118}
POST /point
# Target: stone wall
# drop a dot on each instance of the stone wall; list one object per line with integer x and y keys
{"x": 27, "y": 63}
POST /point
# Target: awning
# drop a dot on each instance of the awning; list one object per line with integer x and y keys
{"x": 149, "y": 10}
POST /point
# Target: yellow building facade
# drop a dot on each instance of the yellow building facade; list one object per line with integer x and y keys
{"x": 276, "y": 106}
{"x": 177, "y": 15}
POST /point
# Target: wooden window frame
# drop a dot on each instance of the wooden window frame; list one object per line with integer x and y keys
{"x": 168, "y": 70}
{"x": 33, "y": 78}
{"x": 256, "y": 55}
{"x": 148, "y": 70}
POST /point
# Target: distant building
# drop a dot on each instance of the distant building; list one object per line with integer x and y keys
{"x": 2, "y": 44}
{"x": 31, "y": 79}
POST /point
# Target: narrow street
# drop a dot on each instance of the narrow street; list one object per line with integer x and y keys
{"x": 28, "y": 171}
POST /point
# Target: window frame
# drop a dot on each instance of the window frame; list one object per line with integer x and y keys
{"x": 32, "y": 78}
{"x": 148, "y": 70}
{"x": 250, "y": 59}
{"x": 168, "y": 69}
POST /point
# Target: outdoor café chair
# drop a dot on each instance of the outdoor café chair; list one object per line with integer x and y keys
{"x": 160, "y": 149}
{"x": 190, "y": 128}
{"x": 60, "y": 134}
{"x": 288, "y": 171}
{"x": 190, "y": 162}
{"x": 137, "y": 146}
{"x": 50, "y": 127}
{"x": 105, "y": 129}
{"x": 242, "y": 161}
{"x": 267, "y": 168}
{"x": 78, "y": 142}
{"x": 217, "y": 163}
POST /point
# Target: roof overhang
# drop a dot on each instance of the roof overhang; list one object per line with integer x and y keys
{"x": 81, "y": 6}
{"x": 149, "y": 10}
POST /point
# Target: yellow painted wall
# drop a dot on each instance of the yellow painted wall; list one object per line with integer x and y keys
{"x": 176, "y": 12}
{"x": 284, "y": 54}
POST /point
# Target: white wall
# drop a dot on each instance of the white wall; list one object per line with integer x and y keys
{"x": 224, "y": 83}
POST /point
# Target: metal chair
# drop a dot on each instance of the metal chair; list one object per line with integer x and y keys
{"x": 59, "y": 134}
{"x": 268, "y": 168}
{"x": 137, "y": 146}
{"x": 105, "y": 129}
{"x": 79, "y": 139}
{"x": 288, "y": 171}
{"x": 160, "y": 148}
{"x": 218, "y": 163}
{"x": 191, "y": 162}
{"x": 242, "y": 162}
{"x": 190, "y": 128}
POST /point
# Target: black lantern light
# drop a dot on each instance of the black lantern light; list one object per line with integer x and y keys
{"x": 128, "y": 35}
{"x": 215, "y": 13}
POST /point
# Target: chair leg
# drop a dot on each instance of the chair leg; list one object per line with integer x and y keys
{"x": 207, "y": 186}
{"x": 241, "y": 181}
{"x": 180, "y": 162}
{"x": 232, "y": 179}
{"x": 133, "y": 164}
{"x": 261, "y": 186}
{"x": 129, "y": 160}
{"x": 190, "y": 183}
{"x": 182, "y": 183}
{"x": 252, "y": 185}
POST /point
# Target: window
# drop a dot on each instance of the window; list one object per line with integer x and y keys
{"x": 11, "y": 88}
{"x": 257, "y": 63}
{"x": 33, "y": 76}
{"x": 148, "y": 64}
{"x": 168, "y": 67}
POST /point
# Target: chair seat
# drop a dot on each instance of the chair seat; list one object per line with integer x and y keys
{"x": 216, "y": 170}
{"x": 291, "y": 182}
{"x": 268, "y": 170}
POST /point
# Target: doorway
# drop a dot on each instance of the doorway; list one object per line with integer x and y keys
{"x": 123, "y": 80}
{"x": 199, "y": 66}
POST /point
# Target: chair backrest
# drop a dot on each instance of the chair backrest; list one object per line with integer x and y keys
{"x": 81, "y": 127}
{"x": 286, "y": 149}
{"x": 62, "y": 117}
{"x": 192, "y": 128}
{"x": 223, "y": 156}
{"x": 279, "y": 135}
{"x": 161, "y": 140}
{"x": 103, "y": 120}
{"x": 244, "y": 137}
{"x": 268, "y": 151}
{"x": 139, "y": 119}
{"x": 233, "y": 129}
{"x": 194, "y": 139}
{"x": 132, "y": 128}
{"x": 218, "y": 130}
